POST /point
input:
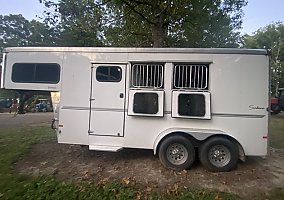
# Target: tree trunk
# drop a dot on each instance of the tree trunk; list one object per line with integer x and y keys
{"x": 158, "y": 32}
{"x": 21, "y": 109}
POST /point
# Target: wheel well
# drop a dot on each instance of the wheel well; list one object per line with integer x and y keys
{"x": 242, "y": 156}
{"x": 196, "y": 143}
{"x": 192, "y": 139}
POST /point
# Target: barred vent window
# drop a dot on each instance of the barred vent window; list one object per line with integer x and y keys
{"x": 147, "y": 75}
{"x": 191, "y": 76}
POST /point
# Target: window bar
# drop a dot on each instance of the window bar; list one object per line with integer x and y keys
{"x": 175, "y": 69}
{"x": 140, "y": 75}
{"x": 147, "y": 75}
{"x": 190, "y": 76}
{"x": 182, "y": 76}
{"x": 162, "y": 76}
{"x": 151, "y": 76}
{"x": 186, "y": 71}
{"x": 179, "y": 81}
{"x": 158, "y": 80}
{"x": 132, "y": 77}
{"x": 198, "y": 77}
{"x": 144, "y": 75}
{"x": 190, "y": 86}
{"x": 154, "y": 75}
{"x": 202, "y": 84}
{"x": 137, "y": 75}
{"x": 135, "y": 68}
{"x": 194, "y": 77}
{"x": 206, "y": 78}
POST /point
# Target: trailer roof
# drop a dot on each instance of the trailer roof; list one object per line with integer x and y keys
{"x": 138, "y": 50}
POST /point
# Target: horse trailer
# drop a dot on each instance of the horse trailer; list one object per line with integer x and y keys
{"x": 182, "y": 103}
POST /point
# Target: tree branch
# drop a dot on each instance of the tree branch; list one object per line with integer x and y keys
{"x": 132, "y": 7}
{"x": 142, "y": 2}
{"x": 139, "y": 34}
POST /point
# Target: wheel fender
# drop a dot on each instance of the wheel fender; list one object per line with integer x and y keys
{"x": 199, "y": 134}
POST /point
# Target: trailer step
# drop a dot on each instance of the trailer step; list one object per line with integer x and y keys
{"x": 105, "y": 148}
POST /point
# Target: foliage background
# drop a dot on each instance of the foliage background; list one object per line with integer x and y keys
{"x": 145, "y": 23}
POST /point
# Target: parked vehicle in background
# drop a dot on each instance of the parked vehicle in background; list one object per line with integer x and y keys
{"x": 277, "y": 103}
{"x": 177, "y": 102}
{"x": 5, "y": 103}
{"x": 43, "y": 105}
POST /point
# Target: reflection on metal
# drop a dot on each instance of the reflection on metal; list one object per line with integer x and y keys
{"x": 147, "y": 75}
{"x": 191, "y": 76}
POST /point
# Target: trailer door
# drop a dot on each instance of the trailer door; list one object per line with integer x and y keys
{"x": 107, "y": 100}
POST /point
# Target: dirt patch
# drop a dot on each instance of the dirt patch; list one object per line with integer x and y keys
{"x": 143, "y": 170}
{"x": 8, "y": 120}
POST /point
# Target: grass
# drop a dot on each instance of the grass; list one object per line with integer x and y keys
{"x": 277, "y": 141}
{"x": 277, "y": 131}
{"x": 16, "y": 142}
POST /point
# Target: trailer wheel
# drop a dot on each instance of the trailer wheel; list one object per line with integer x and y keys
{"x": 218, "y": 155}
{"x": 177, "y": 153}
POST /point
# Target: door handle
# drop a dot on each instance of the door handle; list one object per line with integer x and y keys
{"x": 121, "y": 95}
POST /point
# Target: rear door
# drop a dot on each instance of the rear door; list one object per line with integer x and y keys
{"x": 107, "y": 100}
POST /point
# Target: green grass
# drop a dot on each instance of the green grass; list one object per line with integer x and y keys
{"x": 16, "y": 142}
{"x": 277, "y": 141}
{"x": 277, "y": 131}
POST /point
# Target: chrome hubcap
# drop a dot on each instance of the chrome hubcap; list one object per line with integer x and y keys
{"x": 177, "y": 154}
{"x": 219, "y": 156}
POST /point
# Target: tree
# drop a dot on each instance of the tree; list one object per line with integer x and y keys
{"x": 147, "y": 23}
{"x": 270, "y": 37}
{"x": 15, "y": 31}
{"x": 186, "y": 23}
{"x": 78, "y": 22}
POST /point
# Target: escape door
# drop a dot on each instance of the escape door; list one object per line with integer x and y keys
{"x": 107, "y": 100}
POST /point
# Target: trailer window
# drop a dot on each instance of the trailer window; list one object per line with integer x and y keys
{"x": 147, "y": 75}
{"x": 145, "y": 103}
{"x": 108, "y": 74}
{"x": 36, "y": 73}
{"x": 191, "y": 105}
{"x": 191, "y": 76}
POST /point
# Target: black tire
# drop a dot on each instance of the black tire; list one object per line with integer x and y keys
{"x": 275, "y": 109}
{"x": 177, "y": 153}
{"x": 219, "y": 154}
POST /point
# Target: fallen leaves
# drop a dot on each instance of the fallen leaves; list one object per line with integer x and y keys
{"x": 43, "y": 163}
{"x": 173, "y": 190}
{"x": 217, "y": 197}
{"x": 126, "y": 180}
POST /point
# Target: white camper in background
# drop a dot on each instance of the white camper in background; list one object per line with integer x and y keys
{"x": 175, "y": 101}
